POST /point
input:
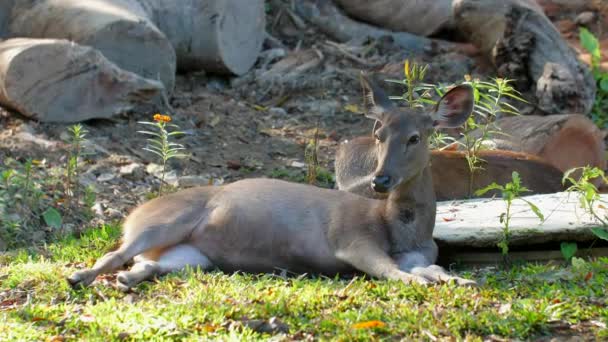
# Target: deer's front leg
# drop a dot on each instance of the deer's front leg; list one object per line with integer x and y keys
{"x": 371, "y": 259}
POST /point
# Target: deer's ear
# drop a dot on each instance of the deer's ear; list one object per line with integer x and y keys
{"x": 455, "y": 107}
{"x": 376, "y": 101}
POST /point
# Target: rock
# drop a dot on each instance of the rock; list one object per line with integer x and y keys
{"x": 106, "y": 177}
{"x": 585, "y": 18}
{"x": 278, "y": 111}
{"x": 271, "y": 326}
{"x": 157, "y": 171}
{"x": 97, "y": 208}
{"x": 297, "y": 164}
{"x": 328, "y": 108}
{"x": 132, "y": 171}
{"x": 475, "y": 223}
{"x": 203, "y": 180}
{"x": 113, "y": 213}
{"x": 87, "y": 179}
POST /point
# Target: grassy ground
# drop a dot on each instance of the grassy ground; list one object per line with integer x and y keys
{"x": 528, "y": 302}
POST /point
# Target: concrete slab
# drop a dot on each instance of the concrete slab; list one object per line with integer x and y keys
{"x": 475, "y": 223}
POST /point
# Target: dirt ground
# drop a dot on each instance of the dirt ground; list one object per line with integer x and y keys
{"x": 239, "y": 128}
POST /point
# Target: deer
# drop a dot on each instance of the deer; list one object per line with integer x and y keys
{"x": 262, "y": 225}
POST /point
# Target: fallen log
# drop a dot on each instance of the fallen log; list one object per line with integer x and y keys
{"x": 59, "y": 81}
{"x": 152, "y": 37}
{"x": 120, "y": 29}
{"x": 421, "y": 18}
{"x": 564, "y": 141}
{"x": 331, "y": 21}
{"x": 221, "y": 36}
{"x": 524, "y": 45}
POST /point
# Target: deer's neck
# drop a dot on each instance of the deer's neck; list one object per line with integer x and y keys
{"x": 410, "y": 212}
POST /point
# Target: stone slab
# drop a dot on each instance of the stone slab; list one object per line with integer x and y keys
{"x": 476, "y": 223}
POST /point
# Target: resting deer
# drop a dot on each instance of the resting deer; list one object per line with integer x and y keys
{"x": 261, "y": 225}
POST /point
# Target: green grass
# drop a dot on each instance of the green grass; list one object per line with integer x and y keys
{"x": 526, "y": 302}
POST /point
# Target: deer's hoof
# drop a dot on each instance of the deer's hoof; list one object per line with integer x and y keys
{"x": 81, "y": 278}
{"x": 123, "y": 282}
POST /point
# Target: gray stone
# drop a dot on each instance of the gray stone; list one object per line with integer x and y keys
{"x": 585, "y": 18}
{"x": 476, "y": 223}
{"x": 277, "y": 111}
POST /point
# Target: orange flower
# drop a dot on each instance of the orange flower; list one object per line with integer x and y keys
{"x": 369, "y": 325}
{"x": 162, "y": 118}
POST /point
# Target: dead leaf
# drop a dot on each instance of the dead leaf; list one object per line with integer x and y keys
{"x": 56, "y": 338}
{"x": 353, "y": 108}
{"x": 86, "y": 318}
{"x": 369, "y": 325}
{"x": 448, "y": 219}
{"x": 588, "y": 276}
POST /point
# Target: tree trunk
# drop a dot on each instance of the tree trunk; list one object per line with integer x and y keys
{"x": 59, "y": 81}
{"x": 564, "y": 141}
{"x": 223, "y": 36}
{"x": 524, "y": 45}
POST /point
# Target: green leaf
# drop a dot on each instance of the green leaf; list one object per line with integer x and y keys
{"x": 516, "y": 178}
{"x": 535, "y": 209}
{"x": 155, "y": 152}
{"x": 601, "y": 233}
{"x": 589, "y": 42}
{"x": 568, "y": 249}
{"x": 604, "y": 83}
{"x": 492, "y": 186}
{"x": 52, "y": 217}
{"x": 579, "y": 263}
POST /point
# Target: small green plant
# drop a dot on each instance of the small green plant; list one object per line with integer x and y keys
{"x": 311, "y": 156}
{"x": 28, "y": 200}
{"x": 510, "y": 192}
{"x": 599, "y": 112}
{"x": 589, "y": 195}
{"x": 416, "y": 92}
{"x": 160, "y": 143}
{"x": 75, "y": 152}
{"x": 568, "y": 250}
{"x": 491, "y": 98}
{"x": 489, "y": 102}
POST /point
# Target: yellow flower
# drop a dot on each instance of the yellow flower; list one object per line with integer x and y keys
{"x": 467, "y": 78}
{"x": 162, "y": 118}
{"x": 406, "y": 68}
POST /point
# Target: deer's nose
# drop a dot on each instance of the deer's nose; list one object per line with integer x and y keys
{"x": 381, "y": 183}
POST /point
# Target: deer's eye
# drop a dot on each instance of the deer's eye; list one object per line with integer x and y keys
{"x": 414, "y": 139}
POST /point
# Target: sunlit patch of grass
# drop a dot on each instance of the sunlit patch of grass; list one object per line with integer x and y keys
{"x": 524, "y": 302}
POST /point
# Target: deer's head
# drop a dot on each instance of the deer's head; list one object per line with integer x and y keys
{"x": 402, "y": 134}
